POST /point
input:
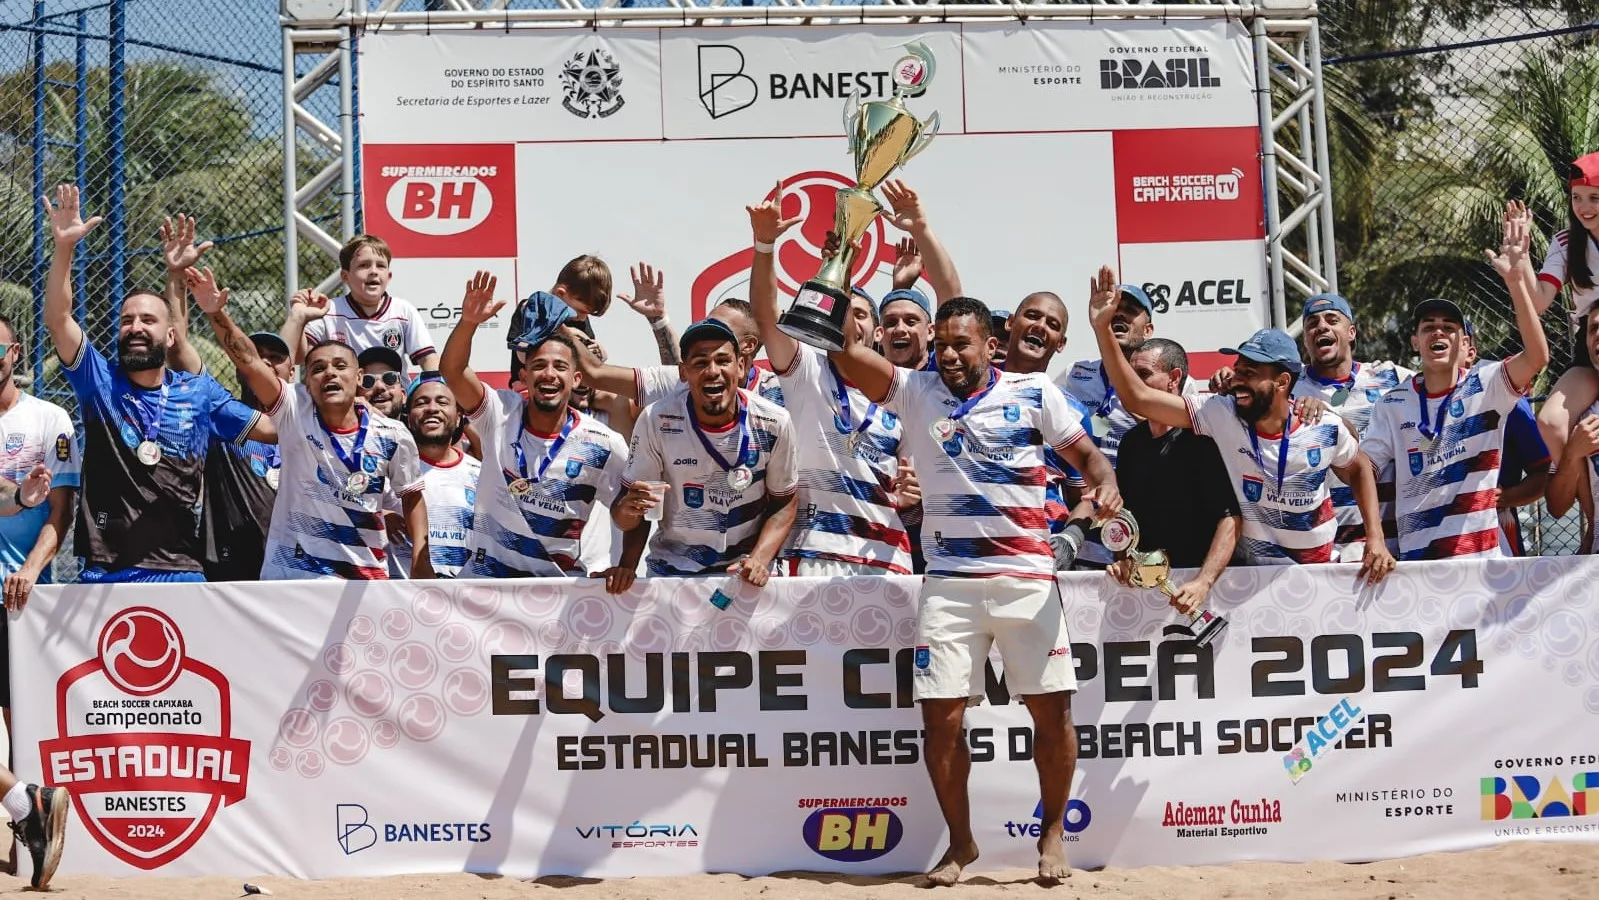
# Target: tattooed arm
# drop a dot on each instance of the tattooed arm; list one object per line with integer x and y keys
{"x": 253, "y": 370}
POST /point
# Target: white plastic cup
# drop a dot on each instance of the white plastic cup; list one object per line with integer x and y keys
{"x": 657, "y": 490}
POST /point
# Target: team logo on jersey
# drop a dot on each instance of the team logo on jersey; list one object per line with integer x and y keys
{"x": 1418, "y": 461}
{"x": 1372, "y": 394}
{"x": 129, "y": 436}
{"x": 574, "y": 468}
{"x": 63, "y": 447}
{"x": 1313, "y": 456}
{"x": 391, "y": 338}
{"x": 13, "y": 444}
{"x": 955, "y": 444}
{"x": 693, "y": 495}
{"x": 1253, "y": 488}
{"x": 889, "y": 420}
{"x": 369, "y": 463}
{"x": 471, "y": 497}
{"x": 1013, "y": 413}
{"x": 923, "y": 658}
{"x": 1457, "y": 408}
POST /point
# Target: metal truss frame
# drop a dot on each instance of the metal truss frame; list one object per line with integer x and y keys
{"x": 1298, "y": 211}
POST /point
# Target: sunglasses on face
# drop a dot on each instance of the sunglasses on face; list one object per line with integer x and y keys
{"x": 389, "y": 379}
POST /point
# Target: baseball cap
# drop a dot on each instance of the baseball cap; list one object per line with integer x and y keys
{"x": 1269, "y": 345}
{"x": 1585, "y": 170}
{"x": 424, "y": 378}
{"x": 269, "y": 340}
{"x": 1436, "y": 306}
{"x": 706, "y": 330}
{"x": 1325, "y": 302}
{"x": 1138, "y": 295}
{"x": 381, "y": 355}
{"x": 860, "y": 292}
{"x": 911, "y": 294}
{"x": 537, "y": 317}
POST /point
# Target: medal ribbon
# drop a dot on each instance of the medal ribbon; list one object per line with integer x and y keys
{"x": 351, "y": 460}
{"x": 1427, "y": 429}
{"x": 1345, "y": 383}
{"x": 749, "y": 380}
{"x": 843, "y": 405}
{"x": 743, "y": 436}
{"x": 149, "y": 427}
{"x": 973, "y": 400}
{"x": 1110, "y": 393}
{"x": 550, "y": 455}
{"x": 1282, "y": 452}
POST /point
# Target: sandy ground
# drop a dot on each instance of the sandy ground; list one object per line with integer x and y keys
{"x": 1540, "y": 870}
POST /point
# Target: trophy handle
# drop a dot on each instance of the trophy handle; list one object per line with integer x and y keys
{"x": 852, "y": 108}
{"x": 929, "y": 131}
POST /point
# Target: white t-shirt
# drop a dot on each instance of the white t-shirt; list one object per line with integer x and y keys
{"x": 706, "y": 525}
{"x": 539, "y": 535}
{"x": 845, "y": 513}
{"x": 655, "y": 382}
{"x": 396, "y": 325}
{"x": 1293, "y": 523}
{"x": 1554, "y": 272}
{"x": 319, "y": 529}
{"x": 1359, "y": 398}
{"x": 34, "y": 431}
{"x": 983, "y": 490}
{"x": 1446, "y": 496}
{"x": 450, "y": 493}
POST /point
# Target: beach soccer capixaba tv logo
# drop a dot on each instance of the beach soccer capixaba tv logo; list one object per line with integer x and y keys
{"x": 145, "y": 741}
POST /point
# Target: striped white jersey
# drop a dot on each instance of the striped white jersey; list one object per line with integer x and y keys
{"x": 1354, "y": 401}
{"x": 319, "y": 528}
{"x": 655, "y": 382}
{"x": 450, "y": 492}
{"x": 1554, "y": 271}
{"x": 396, "y": 325}
{"x": 983, "y": 489}
{"x": 1089, "y": 384}
{"x": 1446, "y": 494}
{"x": 845, "y": 513}
{"x": 707, "y": 525}
{"x": 538, "y": 535}
{"x": 1288, "y": 520}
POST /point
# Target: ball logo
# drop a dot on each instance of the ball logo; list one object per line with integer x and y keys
{"x": 144, "y": 741}
{"x": 439, "y": 206}
{"x": 854, "y": 834}
{"x": 910, "y": 72}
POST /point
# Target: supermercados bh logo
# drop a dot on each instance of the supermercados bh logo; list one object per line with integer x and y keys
{"x": 591, "y": 84}
{"x": 852, "y": 829}
{"x": 1240, "y": 818}
{"x": 442, "y": 200}
{"x": 146, "y": 742}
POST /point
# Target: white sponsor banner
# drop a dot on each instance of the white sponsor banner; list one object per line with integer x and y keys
{"x": 713, "y": 117}
{"x": 542, "y": 727}
{"x": 1217, "y": 297}
{"x": 793, "y": 82}
{"x": 1058, "y": 76}
{"x": 566, "y": 85}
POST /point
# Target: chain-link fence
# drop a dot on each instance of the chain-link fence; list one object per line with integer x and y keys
{"x": 1437, "y": 113}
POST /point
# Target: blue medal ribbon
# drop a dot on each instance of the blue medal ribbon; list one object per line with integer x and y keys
{"x": 1110, "y": 393}
{"x": 970, "y": 402}
{"x": 149, "y": 427}
{"x": 1346, "y": 383}
{"x": 743, "y": 436}
{"x": 843, "y": 405}
{"x": 351, "y": 460}
{"x": 549, "y": 456}
{"x": 1282, "y": 452}
{"x": 1425, "y": 426}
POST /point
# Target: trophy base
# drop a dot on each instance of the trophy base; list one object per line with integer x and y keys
{"x": 1207, "y": 626}
{"x": 817, "y": 316}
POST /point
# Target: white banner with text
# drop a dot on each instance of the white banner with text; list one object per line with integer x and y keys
{"x": 544, "y": 727}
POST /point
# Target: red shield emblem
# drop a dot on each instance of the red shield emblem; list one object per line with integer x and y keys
{"x": 145, "y": 741}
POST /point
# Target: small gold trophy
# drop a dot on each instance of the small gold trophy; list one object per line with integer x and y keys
{"x": 882, "y": 135}
{"x": 1153, "y": 570}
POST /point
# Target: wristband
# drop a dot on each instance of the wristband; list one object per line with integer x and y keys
{"x": 764, "y": 248}
{"x": 17, "y": 498}
{"x": 661, "y": 324}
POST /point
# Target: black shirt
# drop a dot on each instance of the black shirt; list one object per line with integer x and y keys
{"x": 237, "y": 509}
{"x": 1177, "y": 488}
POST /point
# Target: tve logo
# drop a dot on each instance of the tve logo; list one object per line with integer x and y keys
{"x": 442, "y": 200}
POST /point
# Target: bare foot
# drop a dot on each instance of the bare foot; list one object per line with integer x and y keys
{"x": 948, "y": 870}
{"x": 1053, "y": 867}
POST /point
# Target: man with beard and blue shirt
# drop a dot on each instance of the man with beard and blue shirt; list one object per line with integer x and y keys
{"x": 146, "y": 428}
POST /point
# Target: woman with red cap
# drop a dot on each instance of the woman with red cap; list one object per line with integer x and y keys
{"x": 1573, "y": 259}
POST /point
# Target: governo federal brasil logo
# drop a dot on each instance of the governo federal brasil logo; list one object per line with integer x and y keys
{"x": 144, "y": 741}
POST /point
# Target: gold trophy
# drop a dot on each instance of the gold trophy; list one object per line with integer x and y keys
{"x": 883, "y": 135}
{"x": 1153, "y": 570}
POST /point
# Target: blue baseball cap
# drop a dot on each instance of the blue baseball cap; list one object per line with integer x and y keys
{"x": 1270, "y": 345}
{"x": 911, "y": 294}
{"x": 424, "y": 378}
{"x": 1323, "y": 303}
{"x": 537, "y": 317}
{"x": 1138, "y": 295}
{"x": 860, "y": 292}
{"x": 706, "y": 330}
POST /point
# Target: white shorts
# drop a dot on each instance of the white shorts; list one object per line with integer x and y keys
{"x": 830, "y": 568}
{"x": 960, "y": 618}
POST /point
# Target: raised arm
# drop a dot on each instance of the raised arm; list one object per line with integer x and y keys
{"x": 599, "y": 374}
{"x": 67, "y": 227}
{"x": 766, "y": 226}
{"x": 477, "y": 306}
{"x": 649, "y": 300}
{"x": 181, "y": 252}
{"x": 255, "y": 371}
{"x": 1571, "y": 476}
{"x": 867, "y": 369}
{"x": 909, "y": 218}
{"x": 1139, "y": 398}
{"x": 1514, "y": 265}
{"x": 305, "y": 307}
